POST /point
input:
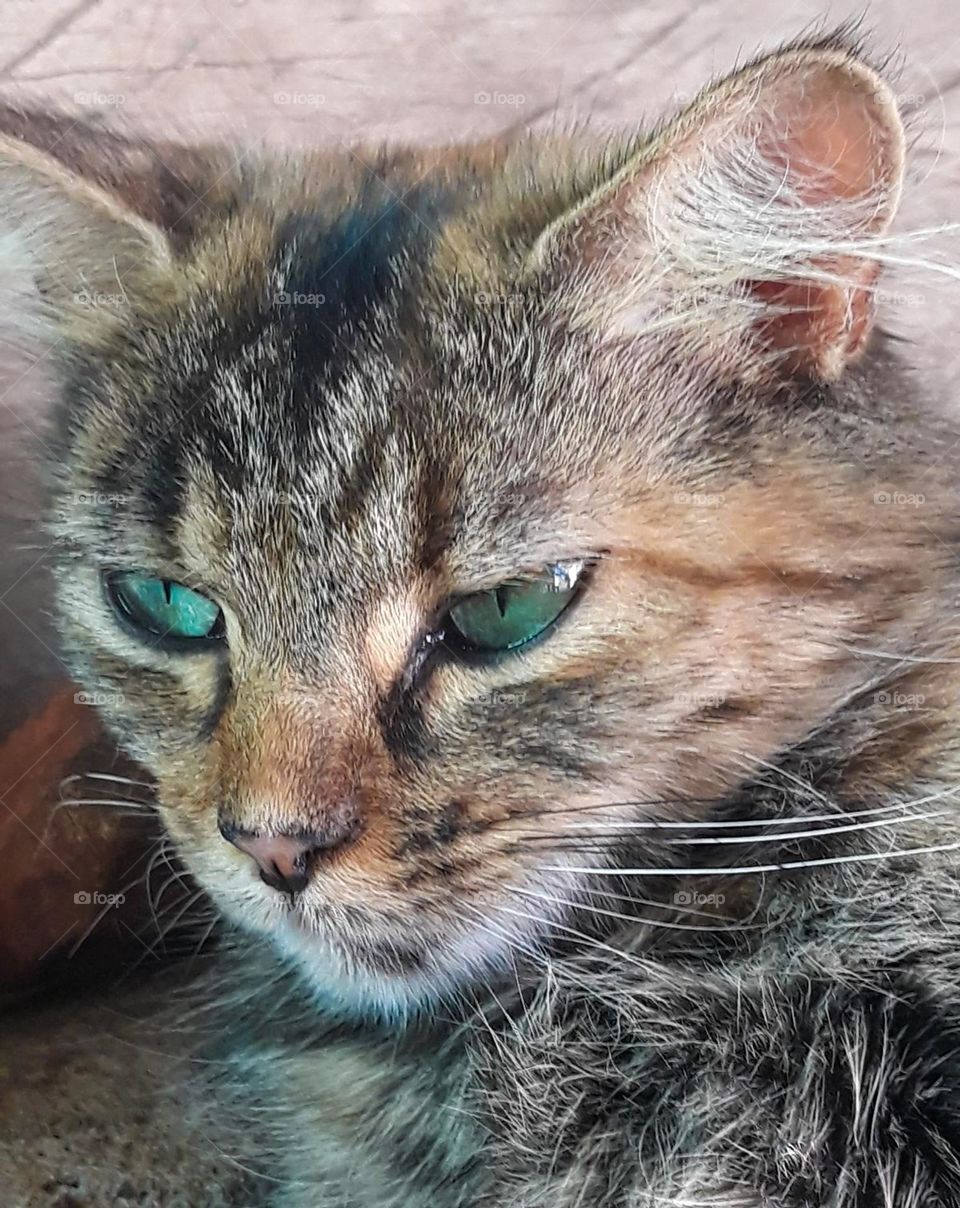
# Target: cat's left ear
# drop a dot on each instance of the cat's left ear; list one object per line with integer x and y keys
{"x": 751, "y": 225}
{"x": 70, "y": 250}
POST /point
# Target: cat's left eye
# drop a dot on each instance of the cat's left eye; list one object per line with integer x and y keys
{"x": 514, "y": 613}
{"x": 163, "y": 608}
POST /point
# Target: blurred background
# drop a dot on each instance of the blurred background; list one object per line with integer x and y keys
{"x": 349, "y": 71}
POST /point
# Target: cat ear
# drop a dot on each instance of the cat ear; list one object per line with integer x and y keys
{"x": 752, "y": 223}
{"x": 69, "y": 249}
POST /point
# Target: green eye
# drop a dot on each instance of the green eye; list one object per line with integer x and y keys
{"x": 513, "y": 614}
{"x": 164, "y": 608}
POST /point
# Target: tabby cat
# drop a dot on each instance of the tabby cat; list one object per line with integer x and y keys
{"x": 532, "y": 584}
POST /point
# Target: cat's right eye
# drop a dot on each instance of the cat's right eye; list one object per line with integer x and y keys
{"x": 164, "y": 609}
{"x": 515, "y": 613}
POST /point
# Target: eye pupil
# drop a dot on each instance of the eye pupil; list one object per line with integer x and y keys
{"x": 513, "y": 614}
{"x": 163, "y": 608}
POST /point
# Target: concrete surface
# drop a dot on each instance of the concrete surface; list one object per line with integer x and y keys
{"x": 340, "y": 70}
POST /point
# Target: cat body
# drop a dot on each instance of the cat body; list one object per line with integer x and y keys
{"x": 503, "y": 560}
{"x": 809, "y": 1066}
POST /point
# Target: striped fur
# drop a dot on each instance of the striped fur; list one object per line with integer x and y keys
{"x": 661, "y": 910}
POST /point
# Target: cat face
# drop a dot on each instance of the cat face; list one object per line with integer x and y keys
{"x": 432, "y": 549}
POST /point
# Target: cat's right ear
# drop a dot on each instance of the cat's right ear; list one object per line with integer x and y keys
{"x": 752, "y": 226}
{"x": 70, "y": 250}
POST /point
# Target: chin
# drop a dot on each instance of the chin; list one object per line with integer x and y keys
{"x": 358, "y": 986}
{"x": 364, "y": 971}
{"x": 386, "y": 963}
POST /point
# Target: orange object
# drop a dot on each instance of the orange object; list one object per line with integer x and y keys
{"x": 74, "y": 895}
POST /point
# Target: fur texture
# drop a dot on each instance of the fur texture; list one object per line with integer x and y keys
{"x": 659, "y": 910}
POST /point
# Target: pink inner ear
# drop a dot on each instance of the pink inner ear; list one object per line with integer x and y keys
{"x": 770, "y": 188}
{"x": 832, "y": 140}
{"x": 817, "y": 328}
{"x": 830, "y": 136}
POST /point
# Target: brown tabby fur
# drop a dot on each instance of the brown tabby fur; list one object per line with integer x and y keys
{"x": 335, "y": 392}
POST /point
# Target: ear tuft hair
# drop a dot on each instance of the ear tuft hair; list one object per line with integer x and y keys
{"x": 753, "y": 222}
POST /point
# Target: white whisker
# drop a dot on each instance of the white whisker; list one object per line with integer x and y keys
{"x": 654, "y": 824}
{"x": 790, "y": 836}
{"x": 724, "y": 870}
{"x": 591, "y": 941}
{"x": 641, "y": 920}
{"x": 114, "y": 803}
{"x": 600, "y": 829}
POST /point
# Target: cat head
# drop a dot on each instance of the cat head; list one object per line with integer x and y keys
{"x": 434, "y": 522}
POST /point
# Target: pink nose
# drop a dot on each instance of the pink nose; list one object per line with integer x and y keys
{"x": 285, "y": 861}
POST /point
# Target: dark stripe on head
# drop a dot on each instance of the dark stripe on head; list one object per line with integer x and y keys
{"x": 362, "y": 480}
{"x": 164, "y": 486}
{"x": 440, "y": 511}
{"x": 335, "y": 274}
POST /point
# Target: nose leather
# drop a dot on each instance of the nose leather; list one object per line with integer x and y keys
{"x": 284, "y": 860}
{"x": 288, "y": 858}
